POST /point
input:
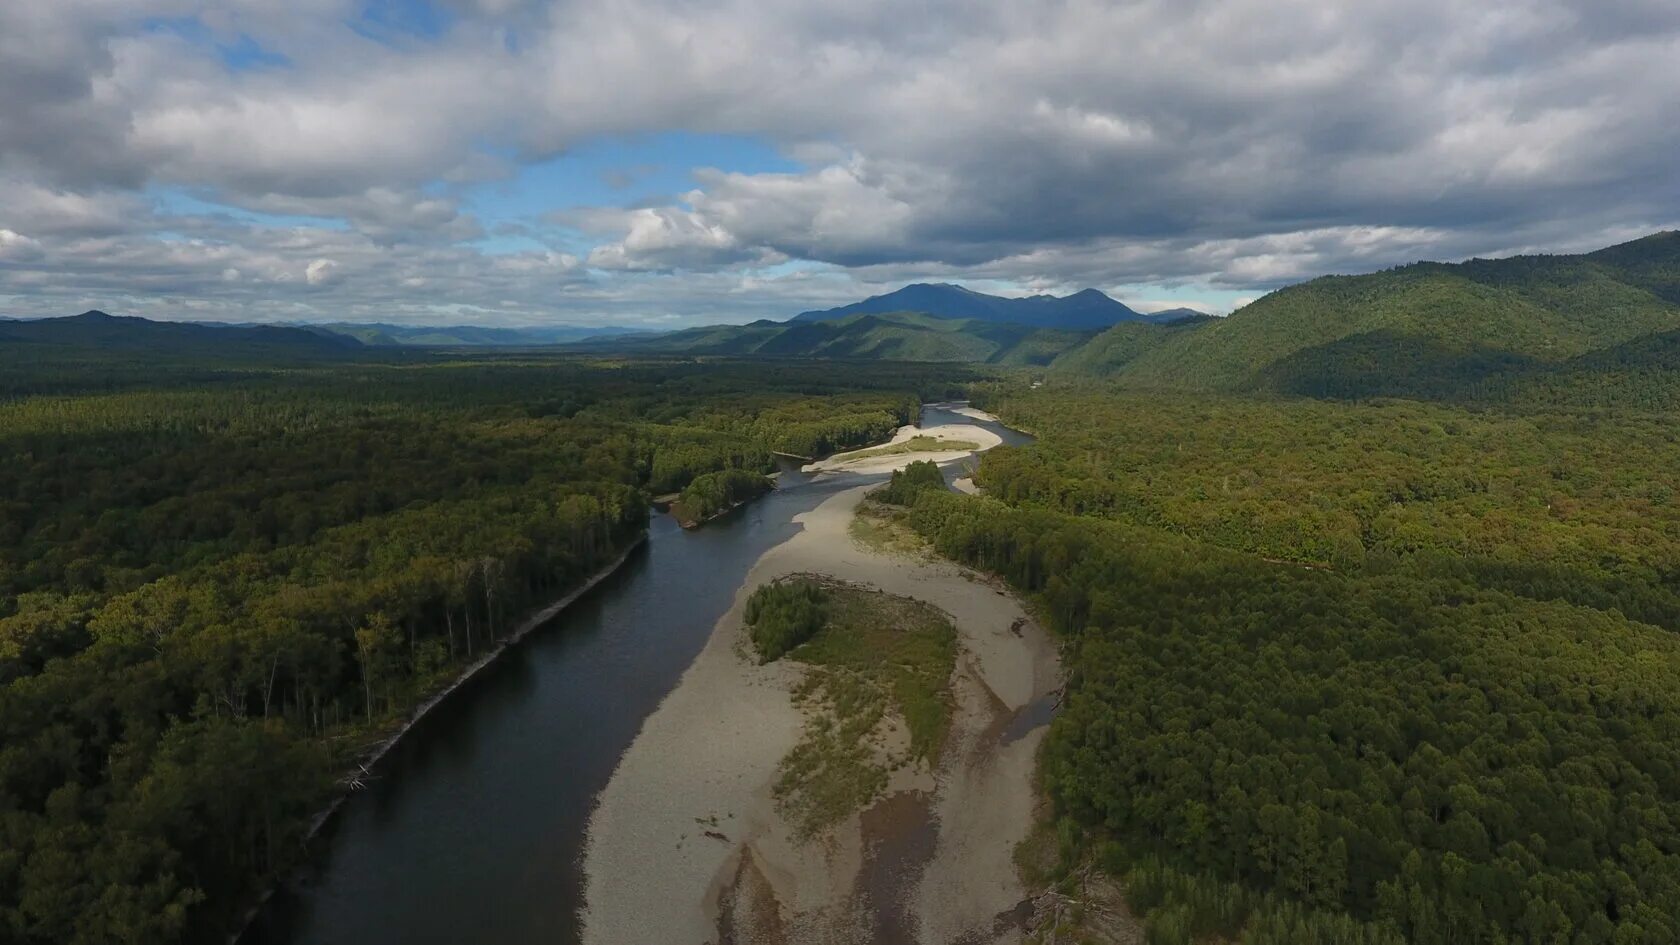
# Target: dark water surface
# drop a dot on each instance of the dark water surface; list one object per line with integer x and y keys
{"x": 474, "y": 828}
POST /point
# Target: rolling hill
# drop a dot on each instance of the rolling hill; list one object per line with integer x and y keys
{"x": 1111, "y": 351}
{"x": 97, "y": 330}
{"x": 1082, "y": 311}
{"x": 896, "y": 336}
{"x": 467, "y": 336}
{"x": 1412, "y": 331}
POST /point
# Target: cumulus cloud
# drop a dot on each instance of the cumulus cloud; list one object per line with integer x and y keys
{"x": 16, "y": 246}
{"x": 1238, "y": 144}
{"x": 320, "y": 272}
{"x": 670, "y": 238}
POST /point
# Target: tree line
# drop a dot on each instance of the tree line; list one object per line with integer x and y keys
{"x": 714, "y": 493}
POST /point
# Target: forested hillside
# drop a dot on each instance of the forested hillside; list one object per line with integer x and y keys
{"x": 1478, "y": 330}
{"x": 894, "y": 336}
{"x": 52, "y": 338}
{"x": 1583, "y": 330}
{"x": 465, "y": 336}
{"x": 220, "y": 583}
{"x": 1348, "y": 673}
{"x": 1114, "y": 349}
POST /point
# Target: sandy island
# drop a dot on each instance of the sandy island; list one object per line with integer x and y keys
{"x": 964, "y": 410}
{"x": 686, "y": 844}
{"x": 860, "y": 461}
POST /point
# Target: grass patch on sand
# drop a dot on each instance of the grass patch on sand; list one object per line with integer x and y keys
{"x": 916, "y": 444}
{"x": 876, "y": 697}
{"x": 885, "y": 529}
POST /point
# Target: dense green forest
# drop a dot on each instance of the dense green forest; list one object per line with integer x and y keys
{"x": 782, "y": 615}
{"x": 715, "y": 493}
{"x": 222, "y": 579}
{"x": 1350, "y": 672}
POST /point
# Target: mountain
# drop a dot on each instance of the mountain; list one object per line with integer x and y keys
{"x": 1110, "y": 352}
{"x": 896, "y": 336}
{"x": 1413, "y": 330}
{"x": 1169, "y": 315}
{"x": 97, "y": 330}
{"x": 458, "y": 336}
{"x": 1081, "y": 311}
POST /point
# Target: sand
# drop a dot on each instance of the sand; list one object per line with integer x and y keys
{"x": 686, "y": 845}
{"x": 964, "y": 410}
{"x": 852, "y": 462}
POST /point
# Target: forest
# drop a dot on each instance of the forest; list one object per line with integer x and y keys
{"x": 1349, "y": 672}
{"x": 223, "y": 579}
{"x": 1342, "y": 667}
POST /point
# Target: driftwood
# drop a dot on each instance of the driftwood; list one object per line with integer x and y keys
{"x": 1094, "y": 911}
{"x": 356, "y": 780}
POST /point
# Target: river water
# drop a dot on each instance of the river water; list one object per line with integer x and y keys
{"x": 473, "y": 829}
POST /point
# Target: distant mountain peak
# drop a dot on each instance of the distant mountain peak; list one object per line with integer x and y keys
{"x": 94, "y": 314}
{"x": 1086, "y": 310}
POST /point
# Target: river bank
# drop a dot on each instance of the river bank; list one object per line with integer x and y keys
{"x": 686, "y": 843}
{"x": 962, "y": 408}
{"x": 370, "y": 758}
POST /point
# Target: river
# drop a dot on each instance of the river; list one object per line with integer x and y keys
{"x": 472, "y": 829}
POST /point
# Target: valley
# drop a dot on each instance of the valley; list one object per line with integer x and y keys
{"x": 1349, "y": 618}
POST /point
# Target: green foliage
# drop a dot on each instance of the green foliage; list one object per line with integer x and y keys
{"x": 1544, "y": 505}
{"x": 1120, "y": 345}
{"x": 1454, "y": 724}
{"x": 874, "y": 657}
{"x": 783, "y": 615}
{"x": 907, "y": 483}
{"x": 681, "y": 454}
{"x": 1180, "y": 908}
{"x": 714, "y": 493}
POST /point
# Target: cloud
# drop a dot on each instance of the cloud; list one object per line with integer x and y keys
{"x": 671, "y": 238}
{"x": 319, "y": 272}
{"x": 1237, "y": 144}
{"x": 16, "y": 246}
{"x": 1268, "y": 142}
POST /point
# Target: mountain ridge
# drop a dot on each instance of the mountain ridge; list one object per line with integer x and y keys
{"x": 906, "y": 336}
{"x": 97, "y": 329}
{"x": 1085, "y": 310}
{"x": 1414, "y": 330}
{"x": 383, "y": 334}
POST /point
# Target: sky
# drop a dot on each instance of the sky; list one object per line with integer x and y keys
{"x": 663, "y": 163}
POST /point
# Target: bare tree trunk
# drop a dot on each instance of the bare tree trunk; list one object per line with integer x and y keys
{"x": 489, "y": 605}
{"x": 367, "y": 689}
{"x": 268, "y": 690}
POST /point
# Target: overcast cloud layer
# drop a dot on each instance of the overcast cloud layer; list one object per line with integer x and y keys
{"x": 319, "y": 159}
